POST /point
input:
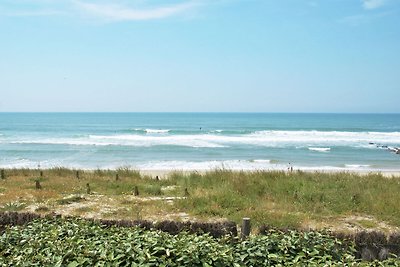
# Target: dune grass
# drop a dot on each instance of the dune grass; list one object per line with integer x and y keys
{"x": 278, "y": 199}
{"x": 288, "y": 199}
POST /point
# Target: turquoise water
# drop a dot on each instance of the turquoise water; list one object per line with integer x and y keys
{"x": 187, "y": 141}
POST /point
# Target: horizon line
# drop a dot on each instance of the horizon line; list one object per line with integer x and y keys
{"x": 204, "y": 112}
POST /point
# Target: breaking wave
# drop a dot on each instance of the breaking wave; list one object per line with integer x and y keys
{"x": 152, "y": 131}
{"x": 320, "y": 149}
{"x": 313, "y": 140}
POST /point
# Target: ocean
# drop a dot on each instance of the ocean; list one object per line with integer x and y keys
{"x": 200, "y": 141}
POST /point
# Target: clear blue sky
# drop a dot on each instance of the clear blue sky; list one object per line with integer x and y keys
{"x": 200, "y": 55}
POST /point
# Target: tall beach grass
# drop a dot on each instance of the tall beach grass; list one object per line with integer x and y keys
{"x": 276, "y": 198}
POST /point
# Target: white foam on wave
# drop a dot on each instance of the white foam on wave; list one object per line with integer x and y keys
{"x": 239, "y": 165}
{"x": 152, "y": 131}
{"x": 156, "y": 131}
{"x": 130, "y": 140}
{"x": 62, "y": 142}
{"x": 18, "y": 163}
{"x": 393, "y": 149}
{"x": 28, "y": 164}
{"x": 320, "y": 168}
{"x": 180, "y": 165}
{"x": 206, "y": 165}
{"x": 326, "y": 138}
{"x": 262, "y": 160}
{"x": 356, "y": 166}
{"x": 320, "y": 149}
{"x": 146, "y": 141}
{"x": 22, "y": 163}
{"x": 150, "y": 165}
{"x": 313, "y": 140}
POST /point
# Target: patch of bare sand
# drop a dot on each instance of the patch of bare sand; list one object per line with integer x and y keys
{"x": 100, "y": 206}
{"x": 352, "y": 224}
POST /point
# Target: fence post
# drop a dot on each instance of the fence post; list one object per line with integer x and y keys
{"x": 3, "y": 175}
{"x": 88, "y": 189}
{"x": 136, "y": 191}
{"x": 38, "y": 185}
{"x": 116, "y": 177}
{"x": 246, "y": 228}
{"x": 186, "y": 192}
{"x": 77, "y": 175}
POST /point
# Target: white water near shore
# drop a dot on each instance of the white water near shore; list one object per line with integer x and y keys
{"x": 260, "y": 138}
{"x": 192, "y": 141}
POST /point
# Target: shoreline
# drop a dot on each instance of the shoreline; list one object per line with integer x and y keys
{"x": 166, "y": 173}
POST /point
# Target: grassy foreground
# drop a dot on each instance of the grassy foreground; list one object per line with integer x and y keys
{"x": 338, "y": 201}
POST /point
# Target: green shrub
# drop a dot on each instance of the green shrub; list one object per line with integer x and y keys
{"x": 74, "y": 242}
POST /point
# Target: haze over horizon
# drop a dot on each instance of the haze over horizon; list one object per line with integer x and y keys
{"x": 200, "y": 56}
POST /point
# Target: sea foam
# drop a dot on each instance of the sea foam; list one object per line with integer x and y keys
{"x": 156, "y": 131}
{"x": 181, "y": 165}
{"x": 357, "y": 166}
{"x": 236, "y": 141}
{"x": 320, "y": 149}
{"x": 207, "y": 165}
{"x": 313, "y": 140}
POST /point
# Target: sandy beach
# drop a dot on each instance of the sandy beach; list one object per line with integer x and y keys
{"x": 166, "y": 173}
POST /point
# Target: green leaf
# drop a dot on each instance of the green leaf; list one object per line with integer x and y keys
{"x": 73, "y": 264}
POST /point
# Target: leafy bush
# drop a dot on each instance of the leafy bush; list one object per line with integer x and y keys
{"x": 75, "y": 242}
{"x": 294, "y": 248}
